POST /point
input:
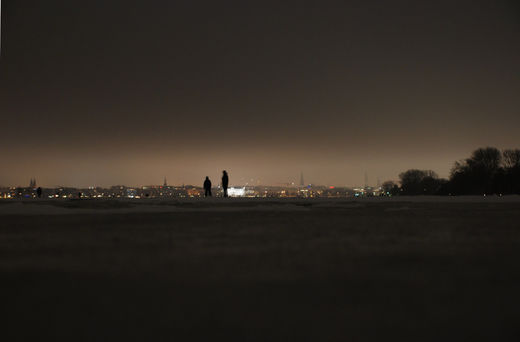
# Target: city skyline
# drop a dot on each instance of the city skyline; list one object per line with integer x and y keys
{"x": 33, "y": 182}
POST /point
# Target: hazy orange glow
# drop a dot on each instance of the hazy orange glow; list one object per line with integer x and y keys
{"x": 118, "y": 93}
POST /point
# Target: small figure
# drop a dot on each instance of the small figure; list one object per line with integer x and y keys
{"x": 79, "y": 195}
{"x": 225, "y": 182}
{"x": 39, "y": 192}
{"x": 207, "y": 187}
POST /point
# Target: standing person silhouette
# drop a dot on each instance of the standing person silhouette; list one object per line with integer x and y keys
{"x": 39, "y": 192}
{"x": 207, "y": 187}
{"x": 225, "y": 182}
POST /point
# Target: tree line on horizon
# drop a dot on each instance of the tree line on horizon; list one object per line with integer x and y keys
{"x": 487, "y": 171}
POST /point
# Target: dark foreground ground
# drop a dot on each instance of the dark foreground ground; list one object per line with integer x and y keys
{"x": 260, "y": 271}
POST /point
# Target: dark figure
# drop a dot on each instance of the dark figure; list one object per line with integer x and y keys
{"x": 39, "y": 192}
{"x": 79, "y": 195}
{"x": 207, "y": 187}
{"x": 225, "y": 182}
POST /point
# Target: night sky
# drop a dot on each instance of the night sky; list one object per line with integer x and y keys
{"x": 127, "y": 92}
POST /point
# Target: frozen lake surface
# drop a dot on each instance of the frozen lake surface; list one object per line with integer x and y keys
{"x": 416, "y": 268}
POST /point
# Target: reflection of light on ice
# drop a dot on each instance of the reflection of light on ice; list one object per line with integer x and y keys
{"x": 237, "y": 192}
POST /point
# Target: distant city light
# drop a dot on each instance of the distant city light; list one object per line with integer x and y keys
{"x": 162, "y": 191}
{"x": 237, "y": 192}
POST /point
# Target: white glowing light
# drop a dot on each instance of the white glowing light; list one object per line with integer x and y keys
{"x": 237, "y": 192}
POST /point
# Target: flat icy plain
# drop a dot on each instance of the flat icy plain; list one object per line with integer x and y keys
{"x": 412, "y": 268}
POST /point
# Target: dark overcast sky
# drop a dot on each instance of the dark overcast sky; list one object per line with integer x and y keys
{"x": 108, "y": 92}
